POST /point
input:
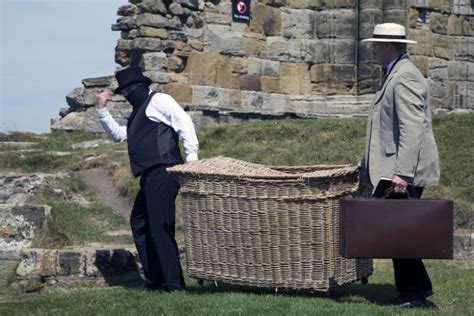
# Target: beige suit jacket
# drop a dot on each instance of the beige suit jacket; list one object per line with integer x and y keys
{"x": 399, "y": 139}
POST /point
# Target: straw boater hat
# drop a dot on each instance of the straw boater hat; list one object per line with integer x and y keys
{"x": 389, "y": 32}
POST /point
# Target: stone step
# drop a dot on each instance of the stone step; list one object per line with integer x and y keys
{"x": 101, "y": 265}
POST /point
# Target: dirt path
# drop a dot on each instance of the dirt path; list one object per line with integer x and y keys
{"x": 100, "y": 180}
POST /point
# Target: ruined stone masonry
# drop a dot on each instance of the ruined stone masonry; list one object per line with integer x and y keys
{"x": 296, "y": 58}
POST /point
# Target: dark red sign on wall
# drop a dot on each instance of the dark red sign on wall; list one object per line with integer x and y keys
{"x": 241, "y": 11}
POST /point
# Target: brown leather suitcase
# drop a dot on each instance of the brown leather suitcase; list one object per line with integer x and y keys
{"x": 390, "y": 228}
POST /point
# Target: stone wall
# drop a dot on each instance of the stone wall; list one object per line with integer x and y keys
{"x": 444, "y": 30}
{"x": 297, "y": 58}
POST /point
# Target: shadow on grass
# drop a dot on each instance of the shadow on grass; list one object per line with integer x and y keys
{"x": 378, "y": 294}
{"x": 375, "y": 293}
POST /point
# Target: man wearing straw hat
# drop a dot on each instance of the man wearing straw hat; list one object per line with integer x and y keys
{"x": 152, "y": 132}
{"x": 400, "y": 144}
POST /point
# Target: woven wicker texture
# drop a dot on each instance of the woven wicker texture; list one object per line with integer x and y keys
{"x": 263, "y": 226}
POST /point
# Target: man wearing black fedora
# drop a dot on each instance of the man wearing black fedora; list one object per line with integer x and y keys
{"x": 152, "y": 132}
{"x": 400, "y": 144}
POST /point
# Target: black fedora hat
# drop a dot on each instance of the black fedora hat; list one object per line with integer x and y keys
{"x": 129, "y": 76}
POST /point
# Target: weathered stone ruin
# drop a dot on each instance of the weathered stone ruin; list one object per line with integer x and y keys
{"x": 296, "y": 58}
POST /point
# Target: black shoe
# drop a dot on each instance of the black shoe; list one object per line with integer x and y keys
{"x": 417, "y": 303}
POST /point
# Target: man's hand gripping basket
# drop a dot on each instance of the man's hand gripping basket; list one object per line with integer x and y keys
{"x": 271, "y": 227}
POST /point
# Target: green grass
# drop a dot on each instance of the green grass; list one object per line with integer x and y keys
{"x": 72, "y": 224}
{"x": 287, "y": 142}
{"x": 452, "y": 282}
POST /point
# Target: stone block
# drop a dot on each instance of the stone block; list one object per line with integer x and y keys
{"x": 196, "y": 44}
{"x": 124, "y": 24}
{"x": 333, "y": 79}
{"x": 342, "y": 51}
{"x": 104, "y": 81}
{"x": 255, "y": 101}
{"x": 179, "y": 78}
{"x": 297, "y": 23}
{"x": 394, "y": 4}
{"x": 235, "y": 98}
{"x": 217, "y": 18}
{"x": 305, "y": 4}
{"x": 438, "y": 88}
{"x": 235, "y": 81}
{"x": 255, "y": 45}
{"x": 127, "y": 10}
{"x": 276, "y": 103}
{"x": 422, "y": 63}
{"x": 220, "y": 39}
{"x": 443, "y": 47}
{"x": 464, "y": 91}
{"x": 176, "y": 9}
{"x": 254, "y": 66}
{"x": 148, "y": 44}
{"x": 412, "y": 18}
{"x": 335, "y": 24}
{"x": 457, "y": 70}
{"x": 295, "y": 51}
{"x": 182, "y": 49}
{"x": 463, "y": 7}
{"x": 158, "y": 77}
{"x": 455, "y": 25}
{"x": 250, "y": 82}
{"x": 294, "y": 79}
{"x": 468, "y": 27}
{"x": 208, "y": 69}
{"x": 370, "y": 4}
{"x": 395, "y": 16}
{"x": 270, "y": 68}
{"x": 270, "y": 84}
{"x": 277, "y": 48}
{"x": 315, "y": 51}
{"x": 444, "y": 6}
{"x": 339, "y": 4}
{"x": 424, "y": 44}
{"x": 439, "y": 23}
{"x": 212, "y": 97}
{"x": 438, "y": 70}
{"x": 156, "y": 61}
{"x": 152, "y": 6}
{"x": 238, "y": 65}
{"x": 275, "y": 3}
{"x": 265, "y": 20}
{"x": 69, "y": 263}
{"x": 153, "y": 20}
{"x": 464, "y": 49}
{"x": 368, "y": 18}
{"x": 175, "y": 64}
{"x": 182, "y": 93}
{"x": 424, "y": 4}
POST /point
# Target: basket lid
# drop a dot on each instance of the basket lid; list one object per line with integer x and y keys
{"x": 225, "y": 166}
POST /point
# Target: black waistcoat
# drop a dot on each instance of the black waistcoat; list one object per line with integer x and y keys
{"x": 150, "y": 143}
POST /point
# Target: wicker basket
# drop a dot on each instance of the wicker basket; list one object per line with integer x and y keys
{"x": 271, "y": 227}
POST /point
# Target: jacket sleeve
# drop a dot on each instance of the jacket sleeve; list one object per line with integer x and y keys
{"x": 409, "y": 101}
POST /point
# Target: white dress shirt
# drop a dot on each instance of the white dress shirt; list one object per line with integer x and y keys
{"x": 162, "y": 108}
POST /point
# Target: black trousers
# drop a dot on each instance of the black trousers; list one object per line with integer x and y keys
{"x": 411, "y": 277}
{"x": 153, "y": 227}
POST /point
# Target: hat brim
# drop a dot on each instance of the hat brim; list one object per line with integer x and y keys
{"x": 144, "y": 80}
{"x": 389, "y": 40}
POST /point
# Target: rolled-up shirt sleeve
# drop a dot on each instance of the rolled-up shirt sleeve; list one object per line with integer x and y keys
{"x": 164, "y": 108}
{"x": 118, "y": 132}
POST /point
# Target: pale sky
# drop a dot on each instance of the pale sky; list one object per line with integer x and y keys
{"x": 47, "y": 48}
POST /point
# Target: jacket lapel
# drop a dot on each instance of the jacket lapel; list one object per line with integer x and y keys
{"x": 392, "y": 73}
